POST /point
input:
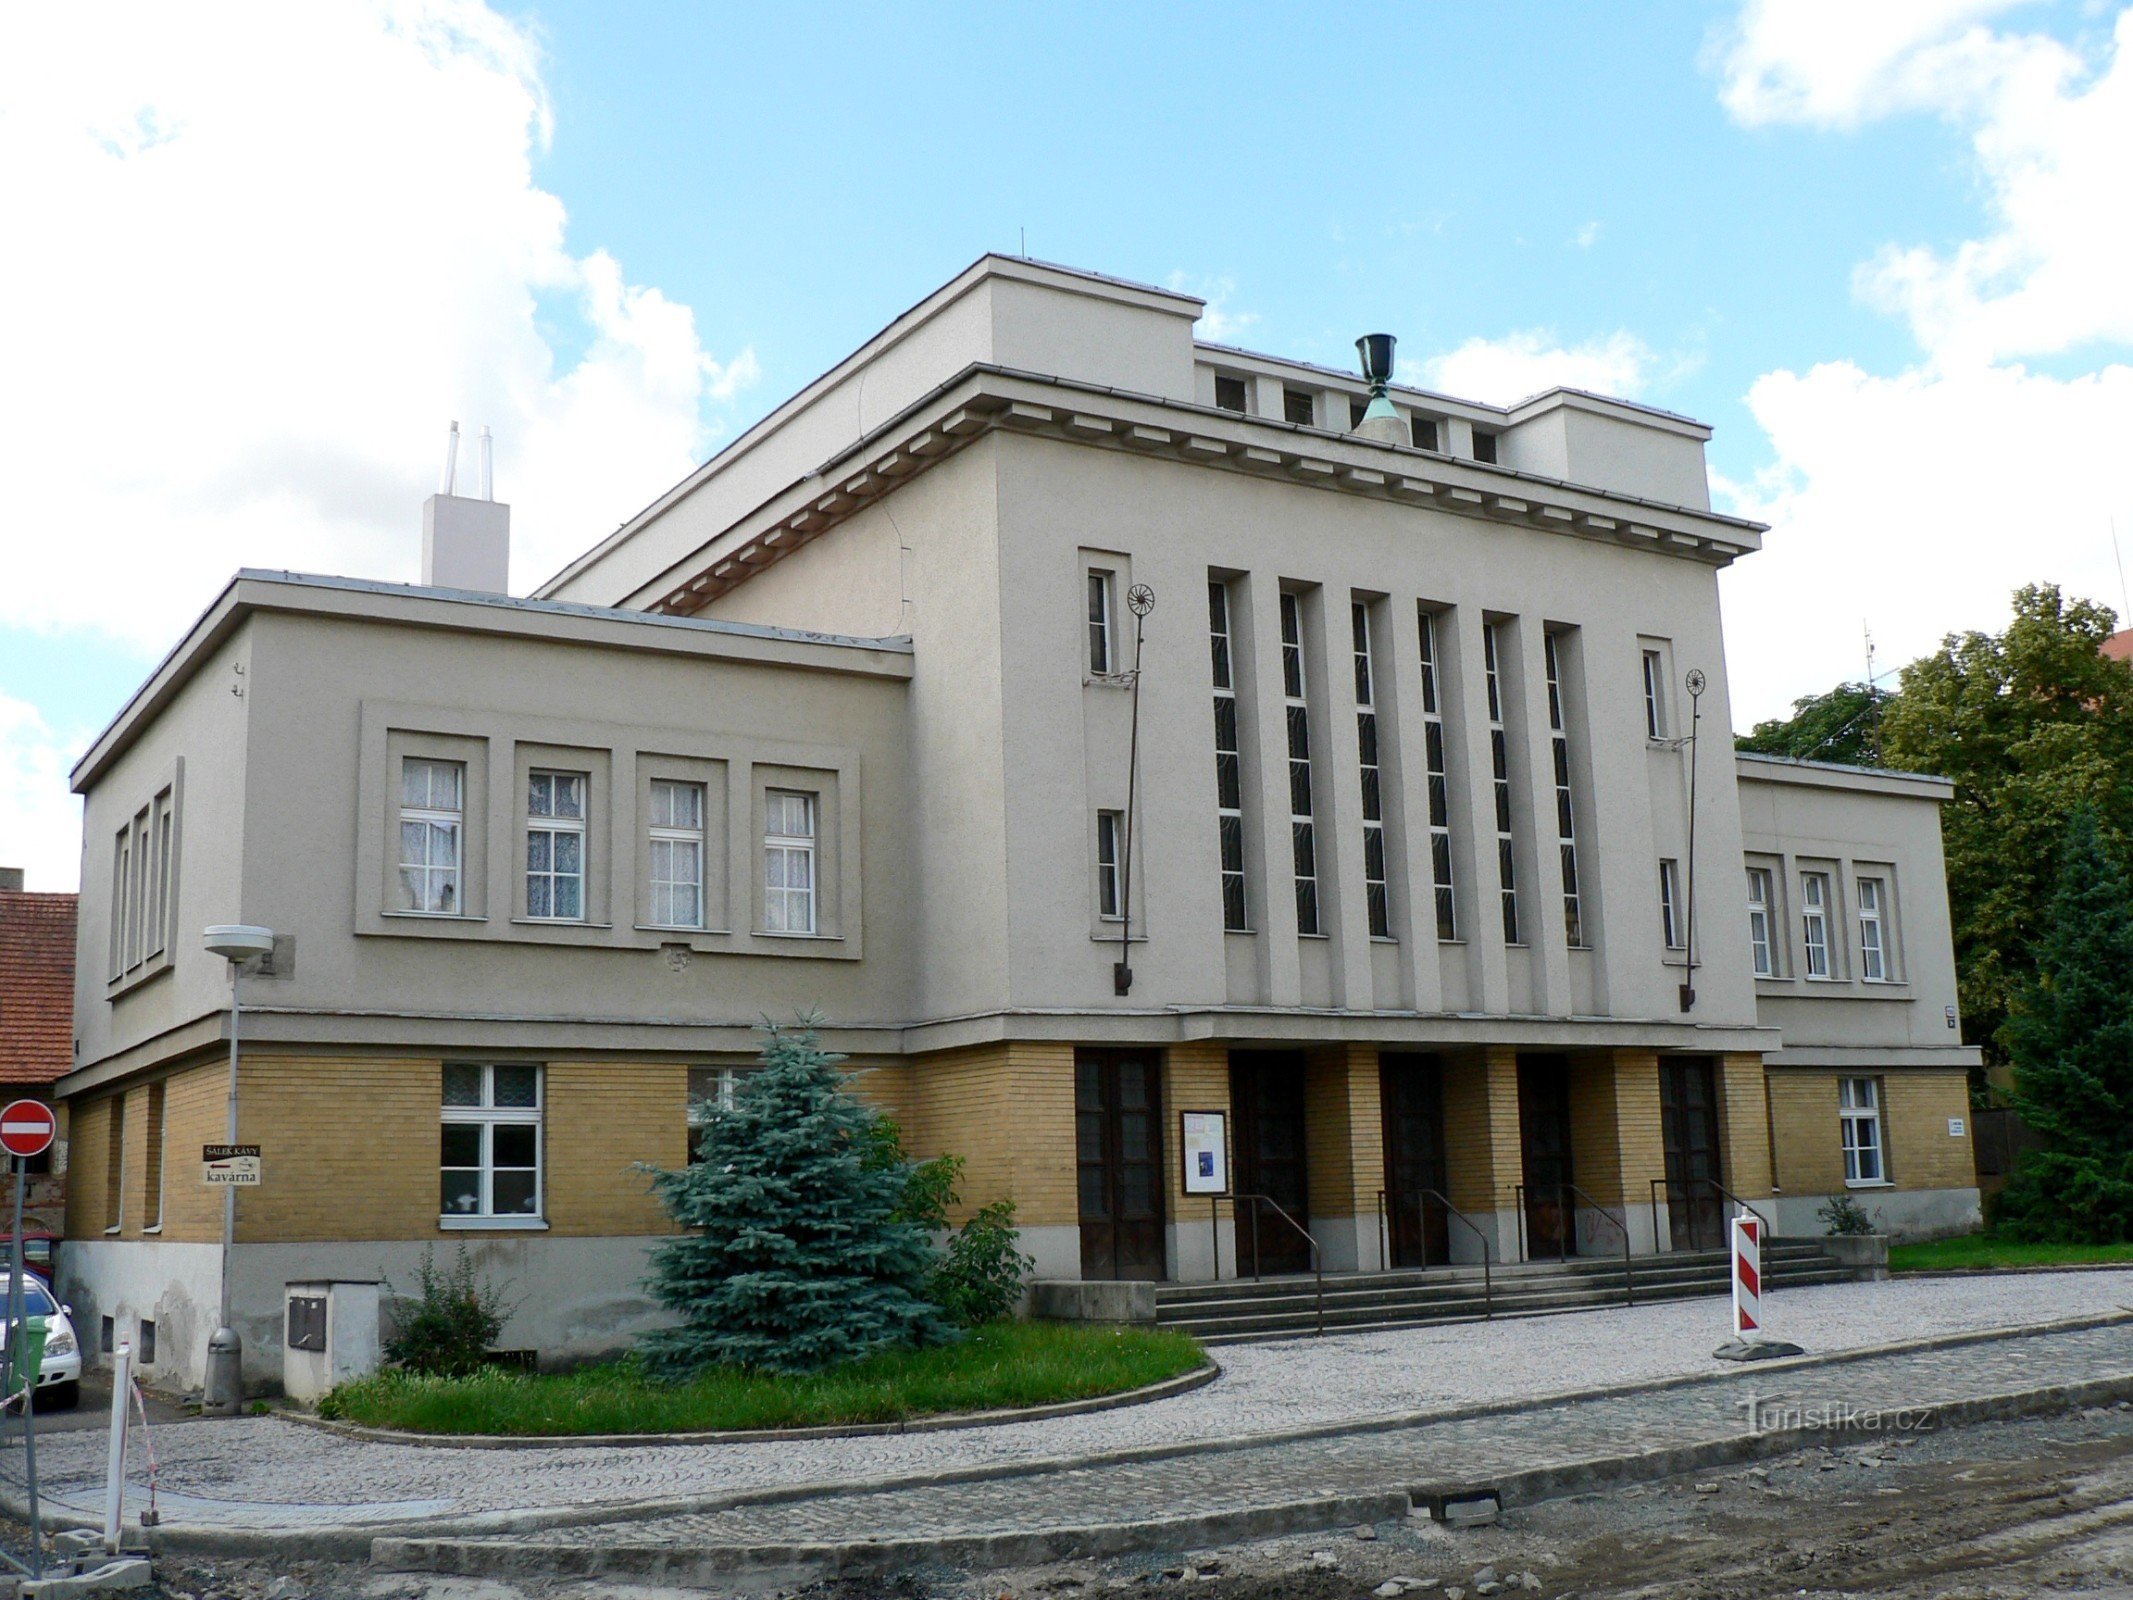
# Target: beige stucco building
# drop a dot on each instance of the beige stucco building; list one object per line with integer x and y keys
{"x": 846, "y": 724}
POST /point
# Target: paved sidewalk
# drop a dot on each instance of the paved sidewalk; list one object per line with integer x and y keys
{"x": 268, "y": 1473}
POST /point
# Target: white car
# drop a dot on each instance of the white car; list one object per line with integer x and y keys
{"x": 59, "y": 1380}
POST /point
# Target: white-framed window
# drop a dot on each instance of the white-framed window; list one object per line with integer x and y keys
{"x": 677, "y": 853}
{"x": 1670, "y": 904}
{"x": 1654, "y": 695}
{"x": 1565, "y": 812}
{"x": 1229, "y": 762}
{"x": 1814, "y": 921}
{"x": 1110, "y": 851}
{"x": 433, "y": 815}
{"x": 1859, "y": 1112}
{"x": 555, "y": 845}
{"x": 1500, "y": 771}
{"x": 1439, "y": 780}
{"x": 1102, "y": 611}
{"x": 1303, "y": 825}
{"x": 121, "y": 899}
{"x": 490, "y": 1154}
{"x": 1873, "y": 930}
{"x": 788, "y": 861}
{"x": 711, "y": 1091}
{"x": 1760, "y": 953}
{"x": 1377, "y": 893}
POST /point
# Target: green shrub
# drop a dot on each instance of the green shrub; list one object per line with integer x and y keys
{"x": 456, "y": 1317}
{"x": 1842, "y": 1215}
{"x": 979, "y": 1278}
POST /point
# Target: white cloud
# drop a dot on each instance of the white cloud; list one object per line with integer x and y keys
{"x": 261, "y": 253}
{"x": 1918, "y": 501}
{"x": 40, "y": 820}
{"x": 1218, "y": 324}
{"x": 1586, "y": 237}
{"x": 1501, "y": 371}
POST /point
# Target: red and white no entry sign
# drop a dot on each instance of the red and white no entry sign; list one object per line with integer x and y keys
{"x": 27, "y": 1128}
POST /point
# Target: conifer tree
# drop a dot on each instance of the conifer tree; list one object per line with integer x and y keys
{"x": 2070, "y": 1033}
{"x": 795, "y": 1253}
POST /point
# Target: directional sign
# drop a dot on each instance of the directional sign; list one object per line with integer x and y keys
{"x": 227, "y": 1165}
{"x": 27, "y": 1128}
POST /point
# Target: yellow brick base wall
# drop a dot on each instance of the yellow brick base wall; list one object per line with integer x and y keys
{"x": 1344, "y": 1131}
{"x": 1807, "y": 1141}
{"x": 1481, "y": 1137}
{"x": 1008, "y": 1111}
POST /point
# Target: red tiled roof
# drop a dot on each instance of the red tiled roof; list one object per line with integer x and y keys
{"x": 36, "y": 986}
{"x": 2119, "y": 647}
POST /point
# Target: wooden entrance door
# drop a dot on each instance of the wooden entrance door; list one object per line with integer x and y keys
{"x": 1266, "y": 1095}
{"x": 1544, "y": 1134}
{"x": 1118, "y": 1132}
{"x": 1411, "y": 1090}
{"x": 1688, "y": 1117}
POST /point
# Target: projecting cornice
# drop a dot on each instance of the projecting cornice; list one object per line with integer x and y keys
{"x": 984, "y": 398}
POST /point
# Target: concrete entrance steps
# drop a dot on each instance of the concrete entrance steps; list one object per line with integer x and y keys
{"x": 1287, "y": 1307}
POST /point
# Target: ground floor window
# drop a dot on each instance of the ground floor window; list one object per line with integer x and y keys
{"x": 710, "y": 1092}
{"x": 491, "y": 1152}
{"x": 1859, "y": 1108}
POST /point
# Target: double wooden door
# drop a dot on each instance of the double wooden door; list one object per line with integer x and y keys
{"x": 1118, "y": 1133}
{"x": 1266, "y": 1098}
{"x": 1688, "y": 1117}
{"x": 1411, "y": 1091}
{"x": 1544, "y": 1135}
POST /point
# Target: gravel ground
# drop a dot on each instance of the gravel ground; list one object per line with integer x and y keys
{"x": 219, "y": 1471}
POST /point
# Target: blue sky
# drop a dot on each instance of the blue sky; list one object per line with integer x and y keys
{"x": 1879, "y": 248}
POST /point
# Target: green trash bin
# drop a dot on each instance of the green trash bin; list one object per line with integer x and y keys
{"x": 26, "y": 1355}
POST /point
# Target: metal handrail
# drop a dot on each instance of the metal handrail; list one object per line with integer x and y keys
{"x": 1318, "y": 1269}
{"x": 1724, "y": 1193}
{"x": 1488, "y": 1287}
{"x": 1629, "y": 1274}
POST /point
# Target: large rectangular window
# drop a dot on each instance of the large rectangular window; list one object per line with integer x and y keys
{"x": 1670, "y": 905}
{"x": 490, "y": 1160}
{"x": 432, "y": 835}
{"x": 1303, "y": 830}
{"x": 1760, "y": 954}
{"x": 1377, "y": 896}
{"x": 1873, "y": 931}
{"x": 1110, "y": 851}
{"x": 1814, "y": 921}
{"x": 677, "y": 849}
{"x": 1102, "y": 653}
{"x": 1439, "y": 783}
{"x": 1229, "y": 762}
{"x": 789, "y": 862}
{"x": 555, "y": 846}
{"x": 1500, "y": 768}
{"x": 1565, "y": 812}
{"x": 1859, "y": 1112}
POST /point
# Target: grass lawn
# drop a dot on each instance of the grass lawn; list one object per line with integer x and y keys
{"x": 1002, "y": 1364}
{"x": 1983, "y": 1250}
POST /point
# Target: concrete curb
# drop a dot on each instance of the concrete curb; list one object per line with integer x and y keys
{"x": 2009, "y": 1272}
{"x": 700, "y": 1564}
{"x": 351, "y": 1541}
{"x": 1184, "y": 1383}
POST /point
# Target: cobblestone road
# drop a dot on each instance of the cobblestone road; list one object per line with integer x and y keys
{"x": 263, "y": 1472}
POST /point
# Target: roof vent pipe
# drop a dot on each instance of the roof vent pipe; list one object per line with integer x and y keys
{"x": 466, "y": 543}
{"x": 1381, "y": 422}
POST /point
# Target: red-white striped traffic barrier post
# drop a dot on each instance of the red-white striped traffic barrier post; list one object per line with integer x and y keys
{"x": 1747, "y": 1277}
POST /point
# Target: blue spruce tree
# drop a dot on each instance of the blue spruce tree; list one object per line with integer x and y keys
{"x": 795, "y": 1254}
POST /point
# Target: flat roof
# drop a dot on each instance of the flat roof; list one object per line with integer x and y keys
{"x": 1836, "y": 774}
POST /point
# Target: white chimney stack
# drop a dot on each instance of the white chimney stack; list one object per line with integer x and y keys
{"x": 466, "y": 544}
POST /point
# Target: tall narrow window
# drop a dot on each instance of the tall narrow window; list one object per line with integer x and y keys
{"x": 1759, "y": 950}
{"x": 1500, "y": 767}
{"x": 1565, "y": 815}
{"x": 555, "y": 846}
{"x": 1814, "y": 921}
{"x": 1302, "y": 825}
{"x": 677, "y": 846}
{"x": 159, "y": 901}
{"x": 152, "y": 1168}
{"x": 115, "y": 1165}
{"x": 1439, "y": 783}
{"x": 1377, "y": 897}
{"x": 432, "y": 835}
{"x": 788, "y": 862}
{"x": 1229, "y": 762}
{"x": 1101, "y": 654}
{"x": 489, "y": 1162}
{"x": 1670, "y": 904}
{"x": 1859, "y": 1114}
{"x": 1654, "y": 696}
{"x": 1873, "y": 944}
{"x": 1110, "y": 850}
{"x": 121, "y": 882}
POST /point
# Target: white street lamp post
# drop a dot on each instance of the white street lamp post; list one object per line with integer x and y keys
{"x": 240, "y": 945}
